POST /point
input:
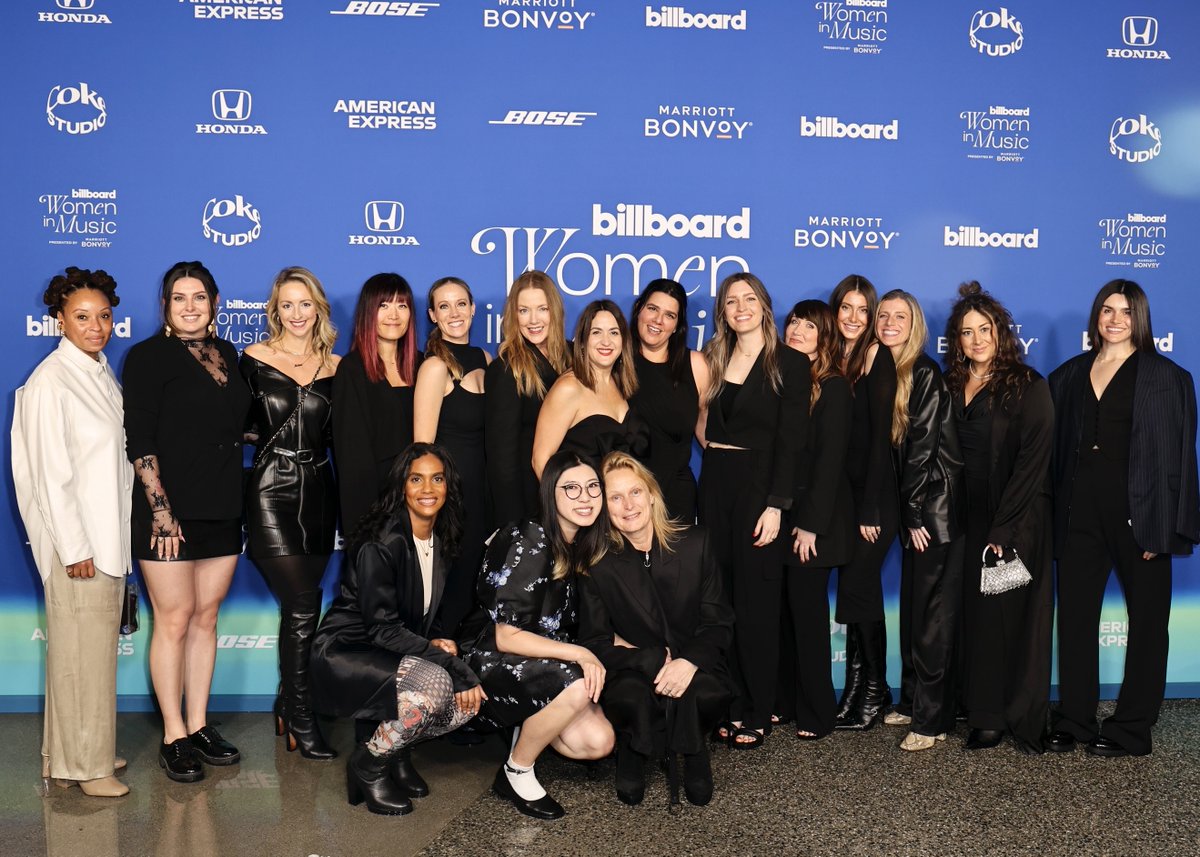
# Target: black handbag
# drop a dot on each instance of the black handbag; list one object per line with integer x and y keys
{"x": 129, "y": 609}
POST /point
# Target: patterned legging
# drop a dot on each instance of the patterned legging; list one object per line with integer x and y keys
{"x": 425, "y": 707}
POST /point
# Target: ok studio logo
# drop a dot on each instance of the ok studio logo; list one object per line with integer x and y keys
{"x": 231, "y": 105}
{"x": 1123, "y": 128}
{"x": 74, "y": 101}
{"x": 384, "y": 215}
{"x": 992, "y": 25}
{"x": 218, "y": 211}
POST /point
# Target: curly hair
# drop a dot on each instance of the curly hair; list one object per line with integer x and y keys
{"x": 74, "y": 279}
{"x": 1009, "y": 374}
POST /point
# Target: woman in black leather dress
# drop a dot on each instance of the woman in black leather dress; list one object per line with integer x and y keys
{"x": 291, "y": 501}
{"x": 448, "y": 408}
{"x": 587, "y": 411}
{"x": 672, "y": 381}
{"x": 931, "y": 500}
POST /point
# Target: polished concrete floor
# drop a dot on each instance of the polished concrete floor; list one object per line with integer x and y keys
{"x": 846, "y": 795}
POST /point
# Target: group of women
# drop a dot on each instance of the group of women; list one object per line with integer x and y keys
{"x": 596, "y": 614}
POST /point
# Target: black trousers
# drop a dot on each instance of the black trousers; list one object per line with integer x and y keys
{"x": 860, "y": 586}
{"x": 656, "y": 723}
{"x": 1099, "y": 538}
{"x": 808, "y": 603}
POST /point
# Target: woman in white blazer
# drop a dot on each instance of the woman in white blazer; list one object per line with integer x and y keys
{"x": 74, "y": 484}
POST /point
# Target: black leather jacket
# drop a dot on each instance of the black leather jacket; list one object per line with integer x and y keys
{"x": 929, "y": 460}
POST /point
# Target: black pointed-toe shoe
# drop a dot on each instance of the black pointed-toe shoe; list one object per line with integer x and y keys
{"x": 212, "y": 748}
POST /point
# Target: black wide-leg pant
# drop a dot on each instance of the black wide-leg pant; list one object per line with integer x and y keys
{"x": 808, "y": 601}
{"x": 655, "y": 723}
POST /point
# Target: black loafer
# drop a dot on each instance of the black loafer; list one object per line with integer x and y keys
{"x": 1059, "y": 741}
{"x": 983, "y": 739}
{"x": 212, "y": 748}
{"x": 1106, "y": 747}
{"x": 544, "y": 808}
{"x": 178, "y": 759}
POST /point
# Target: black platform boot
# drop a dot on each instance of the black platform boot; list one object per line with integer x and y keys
{"x": 876, "y": 695}
{"x": 368, "y": 778}
{"x": 296, "y": 629}
{"x": 847, "y": 710}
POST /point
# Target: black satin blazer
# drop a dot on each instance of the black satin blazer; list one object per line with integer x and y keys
{"x": 930, "y": 462}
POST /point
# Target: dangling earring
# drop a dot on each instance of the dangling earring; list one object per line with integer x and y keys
{"x": 212, "y": 328}
{"x": 166, "y": 329}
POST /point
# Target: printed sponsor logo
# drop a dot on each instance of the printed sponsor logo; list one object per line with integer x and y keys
{"x": 231, "y": 222}
{"x": 124, "y": 642}
{"x": 74, "y": 12}
{"x": 230, "y": 106}
{"x": 999, "y": 133}
{"x": 976, "y": 236}
{"x": 1162, "y": 343}
{"x": 247, "y": 641}
{"x": 684, "y": 122}
{"x": 75, "y": 109}
{"x": 679, "y": 18}
{"x": 383, "y": 9}
{"x": 1134, "y": 240}
{"x": 1140, "y": 129}
{"x": 236, "y": 10}
{"x": 250, "y": 780}
{"x": 553, "y": 118}
{"x": 384, "y": 219}
{"x": 242, "y": 322}
{"x": 1023, "y": 342}
{"x": 839, "y": 233}
{"x": 996, "y": 33}
{"x": 1139, "y": 32}
{"x": 631, "y": 220}
{"x": 47, "y": 325}
{"x": 387, "y": 115}
{"x": 82, "y": 218}
{"x": 834, "y": 128}
{"x": 857, "y": 26}
{"x": 537, "y": 15}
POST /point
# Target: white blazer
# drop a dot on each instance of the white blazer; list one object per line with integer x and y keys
{"x": 74, "y": 482}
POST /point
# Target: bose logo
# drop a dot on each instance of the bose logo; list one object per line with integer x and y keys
{"x": 996, "y": 22}
{"x": 382, "y": 8}
{"x": 1141, "y": 127}
{"x": 219, "y": 209}
{"x": 78, "y": 4}
{"x": 384, "y": 215}
{"x": 542, "y": 117}
{"x": 231, "y": 104}
{"x": 66, "y": 96}
{"x": 1138, "y": 30}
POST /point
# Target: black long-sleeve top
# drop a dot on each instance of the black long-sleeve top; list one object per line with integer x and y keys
{"x": 869, "y": 457}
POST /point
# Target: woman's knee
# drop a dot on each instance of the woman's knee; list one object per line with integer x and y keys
{"x": 591, "y": 736}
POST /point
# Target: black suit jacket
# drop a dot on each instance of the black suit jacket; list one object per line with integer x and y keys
{"x": 930, "y": 462}
{"x": 619, "y": 596}
{"x": 1164, "y": 503}
{"x": 176, "y": 411}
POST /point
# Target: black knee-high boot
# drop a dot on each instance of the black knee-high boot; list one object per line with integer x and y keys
{"x": 847, "y": 710}
{"x": 876, "y": 695}
{"x": 297, "y": 625}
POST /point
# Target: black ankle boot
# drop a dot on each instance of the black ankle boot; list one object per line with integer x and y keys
{"x": 296, "y": 628}
{"x": 631, "y": 773}
{"x": 697, "y": 778}
{"x": 368, "y": 779}
{"x": 405, "y": 775}
{"x": 852, "y": 690}
{"x": 872, "y": 646}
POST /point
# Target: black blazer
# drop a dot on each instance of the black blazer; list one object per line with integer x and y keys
{"x": 869, "y": 459}
{"x": 372, "y": 424}
{"x": 770, "y": 422}
{"x": 824, "y": 501}
{"x": 930, "y": 462}
{"x": 510, "y": 421}
{"x": 176, "y": 411}
{"x": 618, "y": 596}
{"x": 1164, "y": 503}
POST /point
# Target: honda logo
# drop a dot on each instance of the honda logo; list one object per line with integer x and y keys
{"x": 384, "y": 215}
{"x": 1139, "y": 30}
{"x": 231, "y": 104}
{"x": 74, "y": 4}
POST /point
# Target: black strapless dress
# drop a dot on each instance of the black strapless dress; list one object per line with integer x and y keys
{"x": 670, "y": 411}
{"x": 596, "y": 436}
{"x": 291, "y": 498}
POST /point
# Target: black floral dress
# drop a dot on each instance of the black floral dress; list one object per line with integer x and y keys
{"x": 517, "y": 588}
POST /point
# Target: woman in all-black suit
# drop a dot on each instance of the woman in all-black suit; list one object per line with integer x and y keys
{"x": 379, "y": 655}
{"x": 1006, "y": 428}
{"x": 931, "y": 495}
{"x": 533, "y": 353}
{"x": 373, "y": 394}
{"x": 757, "y": 414}
{"x": 185, "y": 411}
{"x": 654, "y": 612}
{"x": 821, "y": 524}
{"x": 1125, "y": 496}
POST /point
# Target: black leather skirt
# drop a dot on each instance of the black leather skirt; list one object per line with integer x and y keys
{"x": 291, "y": 504}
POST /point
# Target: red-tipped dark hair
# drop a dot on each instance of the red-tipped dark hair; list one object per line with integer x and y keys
{"x": 376, "y": 290}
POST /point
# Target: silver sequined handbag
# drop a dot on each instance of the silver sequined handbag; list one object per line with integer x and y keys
{"x": 1008, "y": 573}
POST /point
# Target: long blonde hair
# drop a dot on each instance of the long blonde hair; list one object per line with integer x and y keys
{"x": 666, "y": 530}
{"x": 909, "y": 352}
{"x": 516, "y": 352}
{"x": 324, "y": 334}
{"x": 720, "y": 348}
{"x": 435, "y": 343}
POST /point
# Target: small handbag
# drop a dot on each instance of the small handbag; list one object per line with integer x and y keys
{"x": 1006, "y": 574}
{"x": 129, "y": 609}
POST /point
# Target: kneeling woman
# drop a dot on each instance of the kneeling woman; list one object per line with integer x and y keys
{"x": 654, "y": 611}
{"x": 377, "y": 655}
{"x": 535, "y": 676}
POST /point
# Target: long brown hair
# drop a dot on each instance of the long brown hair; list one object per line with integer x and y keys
{"x": 518, "y": 353}
{"x": 719, "y": 349}
{"x": 624, "y": 373}
{"x": 435, "y": 343}
{"x": 825, "y": 363}
{"x": 1139, "y": 313}
{"x": 854, "y": 364}
{"x": 1009, "y": 374}
{"x": 909, "y": 352}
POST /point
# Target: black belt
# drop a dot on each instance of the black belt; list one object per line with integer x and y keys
{"x": 303, "y": 456}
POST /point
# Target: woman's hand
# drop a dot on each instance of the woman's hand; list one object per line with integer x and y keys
{"x": 767, "y": 527}
{"x": 675, "y": 677}
{"x": 448, "y": 646}
{"x": 83, "y": 568}
{"x": 870, "y": 534}
{"x": 805, "y": 544}
{"x": 593, "y": 673}
{"x": 920, "y": 538}
{"x": 469, "y": 701}
{"x": 165, "y": 534}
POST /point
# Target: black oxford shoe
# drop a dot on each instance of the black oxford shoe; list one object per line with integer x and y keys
{"x": 1059, "y": 741}
{"x": 983, "y": 739}
{"x": 1106, "y": 747}
{"x": 544, "y": 808}
{"x": 179, "y": 760}
{"x": 212, "y": 748}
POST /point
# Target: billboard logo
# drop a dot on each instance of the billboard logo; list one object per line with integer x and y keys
{"x": 833, "y": 127}
{"x": 1138, "y": 32}
{"x": 230, "y": 106}
{"x": 642, "y": 221}
{"x": 839, "y": 233}
{"x": 512, "y": 19}
{"x": 83, "y": 218}
{"x": 564, "y": 118}
{"x": 77, "y": 101}
{"x": 677, "y": 17}
{"x": 380, "y": 8}
{"x": 1135, "y": 240}
{"x": 384, "y": 218}
{"x": 47, "y": 325}
{"x": 975, "y": 236}
{"x": 858, "y": 26}
{"x": 993, "y": 25}
{"x": 219, "y": 211}
{"x": 999, "y": 133}
{"x": 74, "y": 12}
{"x": 691, "y": 122}
{"x": 1142, "y": 127}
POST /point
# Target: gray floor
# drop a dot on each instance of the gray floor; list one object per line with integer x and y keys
{"x": 847, "y": 795}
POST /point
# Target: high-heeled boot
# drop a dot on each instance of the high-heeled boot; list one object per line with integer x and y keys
{"x": 368, "y": 778}
{"x": 406, "y": 776}
{"x": 876, "y": 695}
{"x": 296, "y": 628}
{"x": 847, "y": 709}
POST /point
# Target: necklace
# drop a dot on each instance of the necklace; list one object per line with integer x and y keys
{"x": 425, "y": 546}
{"x": 646, "y": 560}
{"x": 307, "y": 356}
{"x": 979, "y": 377}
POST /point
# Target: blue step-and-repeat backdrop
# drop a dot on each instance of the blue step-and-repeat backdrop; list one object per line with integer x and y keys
{"x": 1041, "y": 148}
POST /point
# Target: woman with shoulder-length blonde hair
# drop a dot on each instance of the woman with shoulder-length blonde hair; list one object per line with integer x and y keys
{"x": 587, "y": 411}
{"x": 291, "y": 499}
{"x": 757, "y": 408}
{"x": 655, "y": 612}
{"x": 931, "y": 494}
{"x": 533, "y": 352}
